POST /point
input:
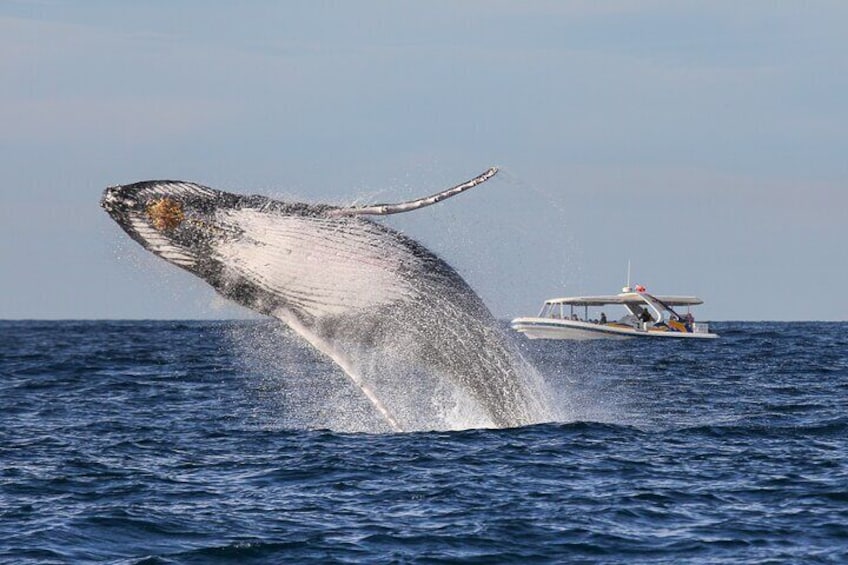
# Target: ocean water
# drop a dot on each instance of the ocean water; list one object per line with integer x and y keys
{"x": 218, "y": 442}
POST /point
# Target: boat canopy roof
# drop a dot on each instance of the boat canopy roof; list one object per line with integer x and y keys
{"x": 624, "y": 298}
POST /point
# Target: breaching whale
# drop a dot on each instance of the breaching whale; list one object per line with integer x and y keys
{"x": 372, "y": 299}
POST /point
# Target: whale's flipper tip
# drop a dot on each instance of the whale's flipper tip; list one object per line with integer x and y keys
{"x": 410, "y": 205}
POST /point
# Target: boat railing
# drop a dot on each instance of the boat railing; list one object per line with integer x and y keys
{"x": 700, "y": 328}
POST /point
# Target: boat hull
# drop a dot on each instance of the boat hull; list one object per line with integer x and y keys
{"x": 548, "y": 328}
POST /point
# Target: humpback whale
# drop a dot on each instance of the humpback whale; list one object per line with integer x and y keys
{"x": 384, "y": 308}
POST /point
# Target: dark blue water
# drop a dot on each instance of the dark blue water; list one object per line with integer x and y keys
{"x": 173, "y": 442}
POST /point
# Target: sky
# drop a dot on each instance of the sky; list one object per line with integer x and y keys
{"x": 704, "y": 142}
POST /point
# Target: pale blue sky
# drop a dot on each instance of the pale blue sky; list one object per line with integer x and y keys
{"x": 705, "y": 141}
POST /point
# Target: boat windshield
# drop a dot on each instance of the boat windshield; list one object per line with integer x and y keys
{"x": 667, "y": 307}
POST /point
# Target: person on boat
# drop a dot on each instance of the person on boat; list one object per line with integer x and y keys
{"x": 603, "y": 318}
{"x": 645, "y": 316}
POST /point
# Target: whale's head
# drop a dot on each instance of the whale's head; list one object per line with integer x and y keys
{"x": 175, "y": 220}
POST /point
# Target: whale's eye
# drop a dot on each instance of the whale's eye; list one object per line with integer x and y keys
{"x": 165, "y": 213}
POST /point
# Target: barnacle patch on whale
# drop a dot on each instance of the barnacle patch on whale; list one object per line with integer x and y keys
{"x": 165, "y": 213}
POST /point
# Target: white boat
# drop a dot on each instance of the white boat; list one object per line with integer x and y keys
{"x": 646, "y": 316}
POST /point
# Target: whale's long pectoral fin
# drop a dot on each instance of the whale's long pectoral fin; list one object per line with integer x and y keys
{"x": 386, "y": 209}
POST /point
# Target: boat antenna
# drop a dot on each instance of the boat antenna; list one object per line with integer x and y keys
{"x": 628, "y": 287}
